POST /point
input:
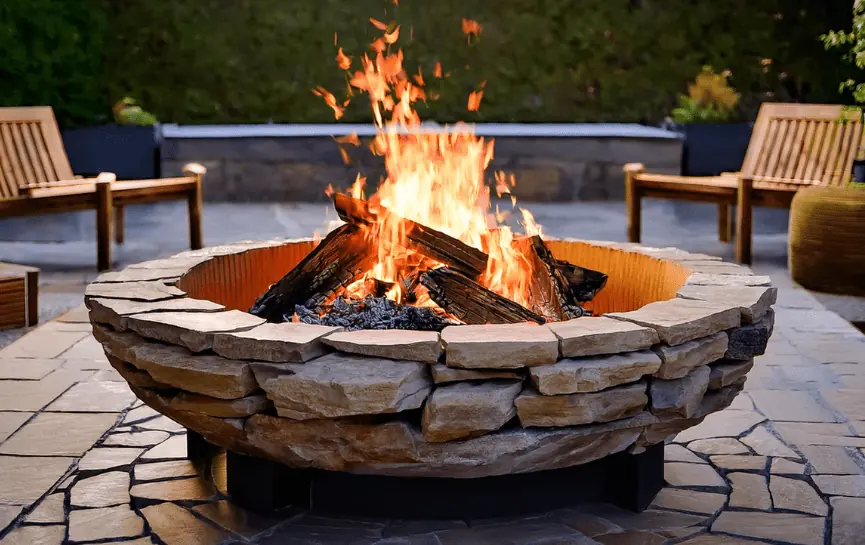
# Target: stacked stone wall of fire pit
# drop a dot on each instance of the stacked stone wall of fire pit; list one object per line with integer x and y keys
{"x": 469, "y": 401}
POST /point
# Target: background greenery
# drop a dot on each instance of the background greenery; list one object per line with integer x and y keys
{"x": 251, "y": 61}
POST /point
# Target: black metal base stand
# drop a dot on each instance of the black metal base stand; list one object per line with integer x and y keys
{"x": 629, "y": 481}
{"x": 197, "y": 447}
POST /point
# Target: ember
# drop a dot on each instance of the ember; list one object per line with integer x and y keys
{"x": 428, "y": 235}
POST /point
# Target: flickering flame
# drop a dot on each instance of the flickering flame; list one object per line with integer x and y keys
{"x": 436, "y": 180}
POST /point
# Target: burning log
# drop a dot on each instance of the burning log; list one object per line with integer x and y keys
{"x": 550, "y": 293}
{"x": 583, "y": 283}
{"x": 471, "y": 302}
{"x": 336, "y": 261}
{"x": 420, "y": 238}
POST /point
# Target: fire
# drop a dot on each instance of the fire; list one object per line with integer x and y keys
{"x": 437, "y": 180}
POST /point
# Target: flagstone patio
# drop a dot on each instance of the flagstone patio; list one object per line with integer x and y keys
{"x": 81, "y": 460}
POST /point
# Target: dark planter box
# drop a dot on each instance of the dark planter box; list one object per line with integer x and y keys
{"x": 711, "y": 149}
{"x": 132, "y": 153}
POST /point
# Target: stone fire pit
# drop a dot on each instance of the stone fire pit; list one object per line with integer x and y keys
{"x": 674, "y": 336}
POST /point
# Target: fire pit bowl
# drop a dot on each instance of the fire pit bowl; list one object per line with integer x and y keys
{"x": 477, "y": 420}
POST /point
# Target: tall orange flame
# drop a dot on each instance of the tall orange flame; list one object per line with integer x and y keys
{"x": 435, "y": 179}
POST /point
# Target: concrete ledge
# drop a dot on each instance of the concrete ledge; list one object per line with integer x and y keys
{"x": 552, "y": 162}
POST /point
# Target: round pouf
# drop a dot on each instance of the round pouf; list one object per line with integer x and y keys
{"x": 827, "y": 239}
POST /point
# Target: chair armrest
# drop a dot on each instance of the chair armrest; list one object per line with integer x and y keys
{"x": 194, "y": 169}
{"x": 634, "y": 168}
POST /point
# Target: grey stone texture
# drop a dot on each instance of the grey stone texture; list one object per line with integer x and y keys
{"x": 300, "y": 168}
{"x": 680, "y": 397}
{"x": 535, "y": 409}
{"x": 750, "y": 340}
{"x": 592, "y": 374}
{"x": 469, "y": 409}
{"x": 677, "y": 361}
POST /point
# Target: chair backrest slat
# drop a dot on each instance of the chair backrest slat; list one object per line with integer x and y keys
{"x": 806, "y": 144}
{"x": 31, "y": 150}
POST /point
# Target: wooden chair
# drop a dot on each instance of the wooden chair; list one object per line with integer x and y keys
{"x": 792, "y": 146}
{"x": 35, "y": 179}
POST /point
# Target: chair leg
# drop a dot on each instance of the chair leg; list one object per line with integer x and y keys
{"x": 104, "y": 205}
{"x": 744, "y": 222}
{"x": 634, "y": 209}
{"x": 725, "y": 226}
{"x": 119, "y": 235}
{"x": 195, "y": 209}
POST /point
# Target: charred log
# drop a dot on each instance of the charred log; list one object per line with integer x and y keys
{"x": 582, "y": 283}
{"x": 422, "y": 239}
{"x": 549, "y": 290}
{"x": 343, "y": 255}
{"x": 471, "y": 302}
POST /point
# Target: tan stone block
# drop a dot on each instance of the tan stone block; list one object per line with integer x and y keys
{"x": 341, "y": 385}
{"x": 94, "y": 397}
{"x": 750, "y": 491}
{"x": 26, "y": 368}
{"x": 441, "y": 373}
{"x": 685, "y": 474}
{"x": 848, "y": 524}
{"x": 176, "y": 526}
{"x": 167, "y": 276}
{"x": 466, "y": 409}
{"x": 689, "y": 500}
{"x": 720, "y": 445}
{"x": 397, "y": 344}
{"x": 196, "y": 489}
{"x": 501, "y": 346}
{"x": 588, "y": 336}
{"x": 133, "y": 291}
{"x": 711, "y": 279}
{"x": 115, "y": 311}
{"x": 796, "y": 495}
{"x": 199, "y": 373}
{"x": 11, "y": 421}
{"x": 681, "y": 320}
{"x": 160, "y": 471}
{"x": 49, "y": 511}
{"x": 136, "y": 439}
{"x": 43, "y": 343}
{"x": 193, "y": 330}
{"x": 285, "y": 342}
{"x": 725, "y": 461}
{"x": 680, "y": 397}
{"x": 211, "y": 406}
{"x": 728, "y": 372}
{"x": 535, "y": 409}
{"x": 677, "y": 361}
{"x": 592, "y": 374}
{"x": 103, "y": 490}
{"x": 36, "y": 535}
{"x": 786, "y": 527}
{"x": 106, "y": 458}
{"x": 753, "y": 301}
{"x": 135, "y": 376}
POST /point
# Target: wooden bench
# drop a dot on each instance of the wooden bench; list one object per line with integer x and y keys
{"x": 36, "y": 178}
{"x": 792, "y": 146}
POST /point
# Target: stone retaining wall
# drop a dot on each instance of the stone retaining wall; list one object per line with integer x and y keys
{"x": 298, "y": 168}
{"x": 471, "y": 401}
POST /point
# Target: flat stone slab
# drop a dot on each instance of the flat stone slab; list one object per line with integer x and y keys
{"x": 397, "y": 448}
{"x": 199, "y": 373}
{"x": 194, "y": 330}
{"x": 284, "y": 342}
{"x": 28, "y": 478}
{"x": 682, "y": 320}
{"x": 223, "y": 408}
{"x": 753, "y": 301}
{"x": 680, "y": 397}
{"x": 711, "y": 279}
{"x": 685, "y": 474}
{"x": 677, "y": 361}
{"x": 469, "y": 409}
{"x": 796, "y": 495}
{"x": 342, "y": 385}
{"x": 103, "y": 490}
{"x": 500, "y": 346}
{"x": 441, "y": 373}
{"x": 141, "y": 275}
{"x": 592, "y": 374}
{"x": 115, "y": 311}
{"x": 728, "y": 372}
{"x": 396, "y": 344}
{"x": 589, "y": 336}
{"x": 536, "y": 409}
{"x": 786, "y": 527}
{"x": 750, "y": 491}
{"x": 848, "y": 524}
{"x": 133, "y": 291}
{"x": 175, "y": 525}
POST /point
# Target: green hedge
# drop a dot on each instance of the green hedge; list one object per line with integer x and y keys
{"x": 252, "y": 61}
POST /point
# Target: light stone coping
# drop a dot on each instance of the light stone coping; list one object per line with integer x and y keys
{"x": 753, "y": 301}
{"x": 593, "y": 374}
{"x": 218, "y": 394}
{"x": 282, "y": 343}
{"x": 682, "y": 320}
{"x": 590, "y": 336}
{"x": 193, "y": 330}
{"x": 677, "y": 361}
{"x": 500, "y": 346}
{"x": 396, "y": 344}
{"x": 115, "y": 312}
{"x": 133, "y": 291}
